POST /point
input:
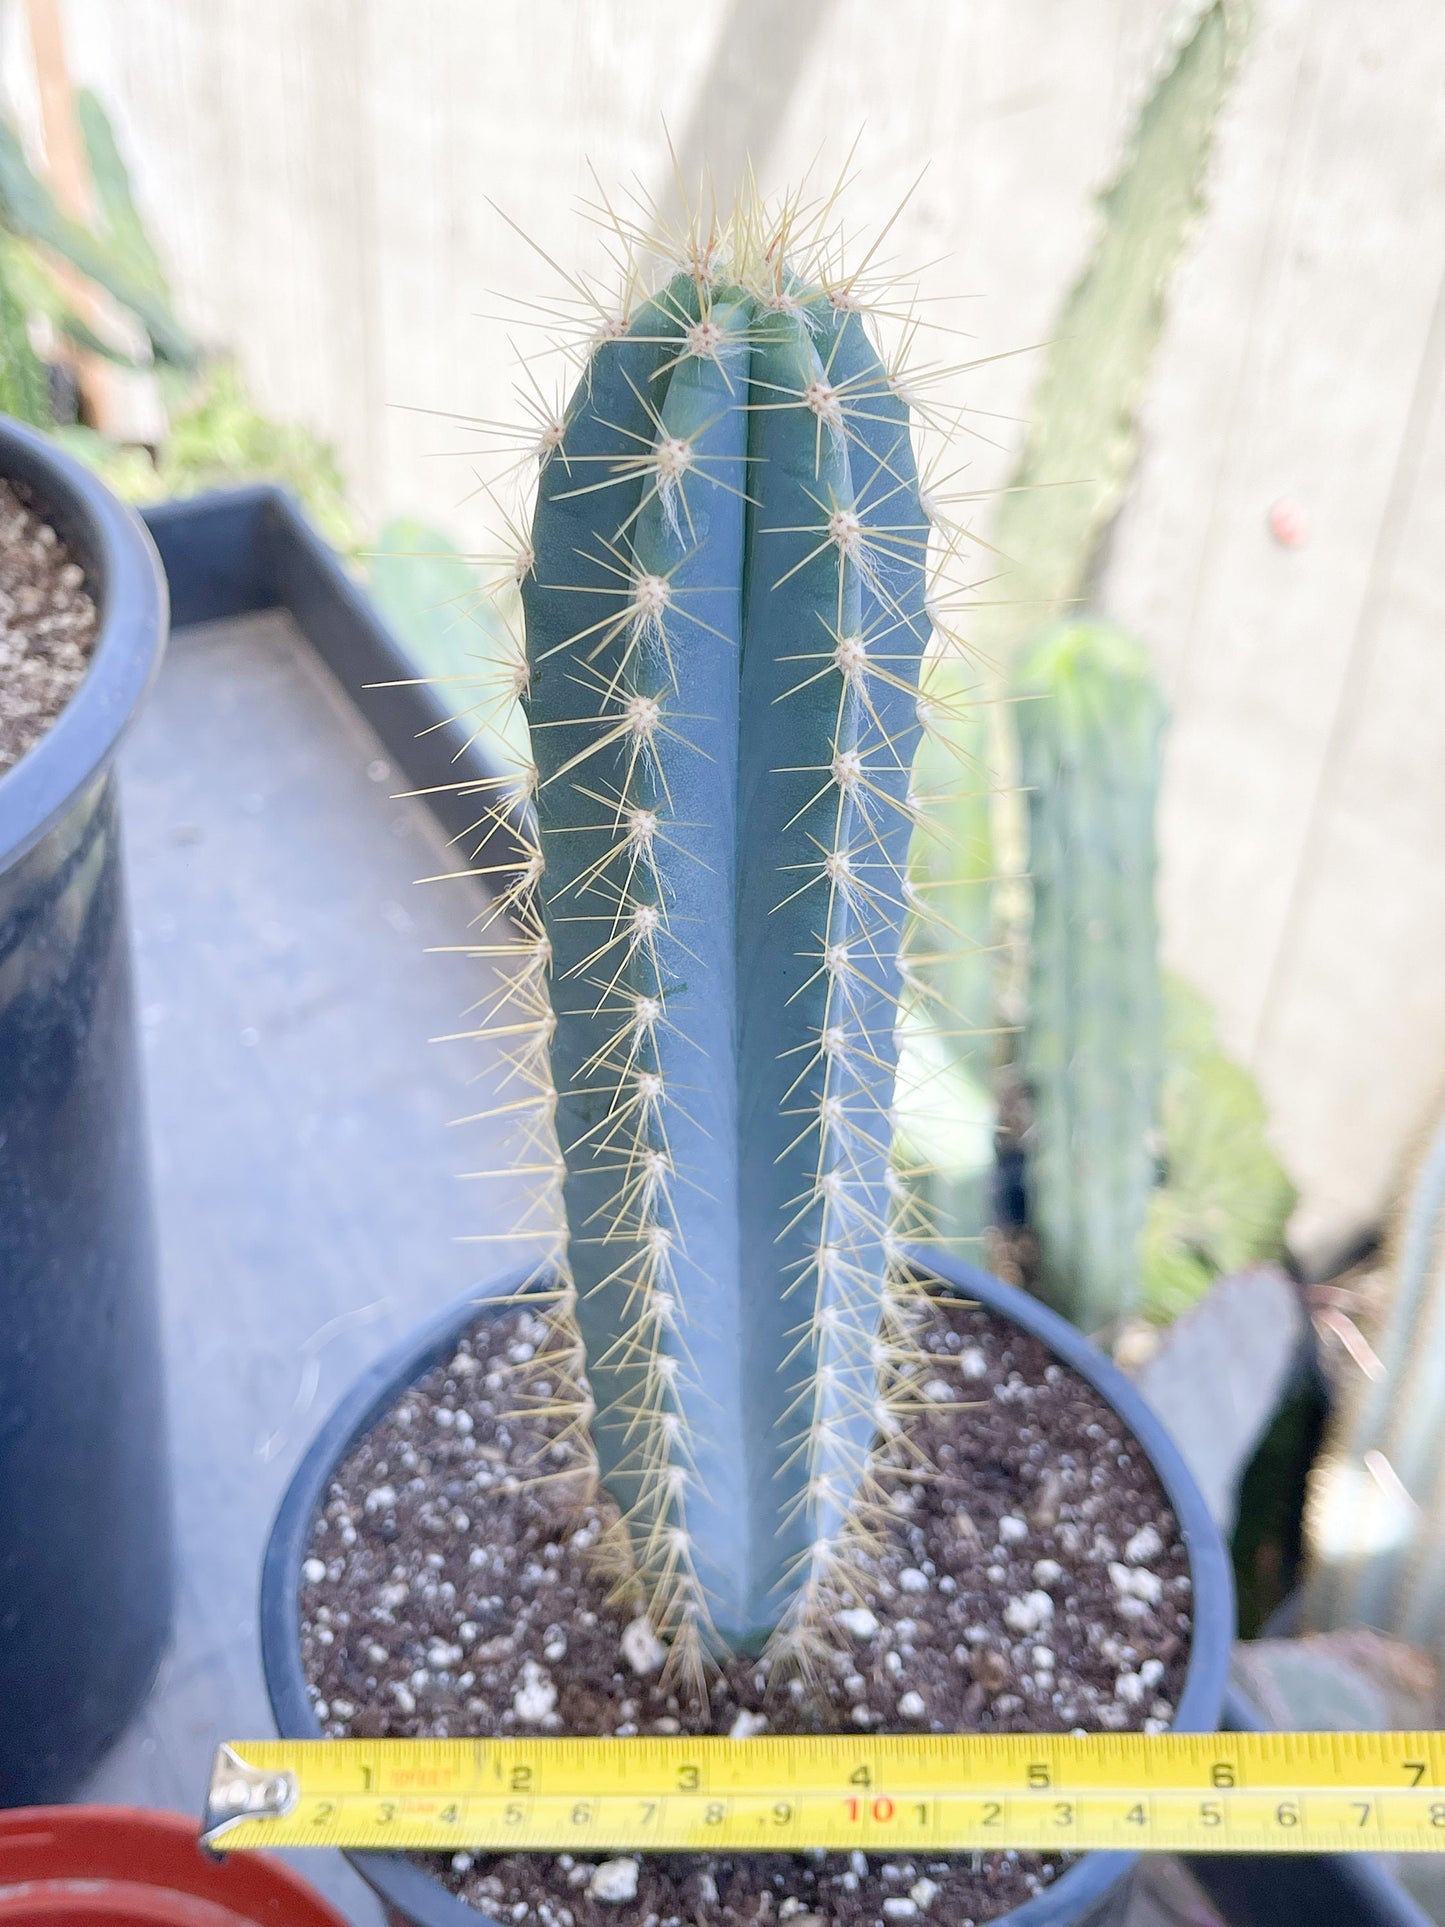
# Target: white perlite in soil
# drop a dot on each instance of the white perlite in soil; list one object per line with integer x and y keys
{"x": 47, "y": 627}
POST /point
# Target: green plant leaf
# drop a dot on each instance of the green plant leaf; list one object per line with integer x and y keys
{"x": 84, "y": 336}
{"x": 220, "y": 438}
{"x": 126, "y": 470}
{"x": 1226, "y": 1198}
{"x": 24, "y": 384}
{"x": 110, "y": 177}
{"x": 28, "y": 209}
{"x": 433, "y": 599}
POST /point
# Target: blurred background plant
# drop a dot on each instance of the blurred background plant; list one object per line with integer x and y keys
{"x": 83, "y": 301}
{"x": 214, "y": 436}
{"x": 1135, "y": 1166}
{"x": 84, "y": 305}
{"x": 56, "y": 268}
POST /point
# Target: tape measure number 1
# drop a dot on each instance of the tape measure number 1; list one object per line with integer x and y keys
{"x": 1176, "y": 1792}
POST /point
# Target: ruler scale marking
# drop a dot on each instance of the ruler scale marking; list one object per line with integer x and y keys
{"x": 1258, "y": 1792}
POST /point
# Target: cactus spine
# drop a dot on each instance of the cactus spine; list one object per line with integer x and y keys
{"x": 1089, "y": 723}
{"x": 724, "y": 608}
{"x": 1375, "y": 1520}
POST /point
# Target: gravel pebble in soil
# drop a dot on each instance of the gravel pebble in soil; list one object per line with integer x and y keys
{"x": 1036, "y": 1583}
{"x": 47, "y": 627}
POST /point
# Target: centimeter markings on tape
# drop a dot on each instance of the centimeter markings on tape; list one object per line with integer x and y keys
{"x": 1194, "y": 1793}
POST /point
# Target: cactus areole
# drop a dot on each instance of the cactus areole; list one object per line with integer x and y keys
{"x": 725, "y": 628}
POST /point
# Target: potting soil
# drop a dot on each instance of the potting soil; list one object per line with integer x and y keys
{"x": 1030, "y": 1579}
{"x": 48, "y": 627}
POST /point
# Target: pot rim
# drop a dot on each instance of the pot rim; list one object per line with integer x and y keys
{"x": 60, "y": 1863}
{"x": 413, "y": 1892}
{"x": 123, "y": 573}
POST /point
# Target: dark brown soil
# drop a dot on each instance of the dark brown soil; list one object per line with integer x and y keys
{"x": 47, "y": 627}
{"x": 1036, "y": 1584}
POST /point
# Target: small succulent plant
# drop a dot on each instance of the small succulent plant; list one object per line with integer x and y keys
{"x": 726, "y": 667}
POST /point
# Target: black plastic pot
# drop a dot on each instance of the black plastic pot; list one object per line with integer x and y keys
{"x": 1094, "y": 1893}
{"x": 1312, "y": 1890}
{"x": 85, "y": 1520}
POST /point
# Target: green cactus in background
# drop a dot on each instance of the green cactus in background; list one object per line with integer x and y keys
{"x": 724, "y": 612}
{"x": 1375, "y": 1519}
{"x": 1079, "y": 452}
{"x": 1083, "y": 433}
{"x": 1150, "y": 1171}
{"x": 1090, "y": 722}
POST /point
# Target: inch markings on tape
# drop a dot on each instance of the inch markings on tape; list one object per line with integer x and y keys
{"x": 1176, "y": 1792}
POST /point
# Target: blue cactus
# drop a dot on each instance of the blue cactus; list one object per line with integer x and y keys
{"x": 725, "y": 625}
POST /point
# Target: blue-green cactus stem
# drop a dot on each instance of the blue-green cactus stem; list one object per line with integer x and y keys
{"x": 724, "y": 628}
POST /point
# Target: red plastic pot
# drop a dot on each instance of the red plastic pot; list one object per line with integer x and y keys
{"x": 129, "y": 1867}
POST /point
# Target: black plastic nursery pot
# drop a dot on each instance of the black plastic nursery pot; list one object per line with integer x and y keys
{"x": 1092, "y": 1893}
{"x": 85, "y": 1516}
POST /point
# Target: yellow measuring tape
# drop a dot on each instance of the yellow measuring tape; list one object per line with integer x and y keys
{"x": 1185, "y": 1793}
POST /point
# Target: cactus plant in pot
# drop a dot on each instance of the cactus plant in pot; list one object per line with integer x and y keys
{"x": 737, "y": 1455}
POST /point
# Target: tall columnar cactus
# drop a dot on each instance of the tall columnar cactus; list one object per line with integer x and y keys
{"x": 1089, "y": 721}
{"x": 1071, "y": 476}
{"x": 1375, "y": 1521}
{"x": 724, "y": 603}
{"x": 1083, "y": 431}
